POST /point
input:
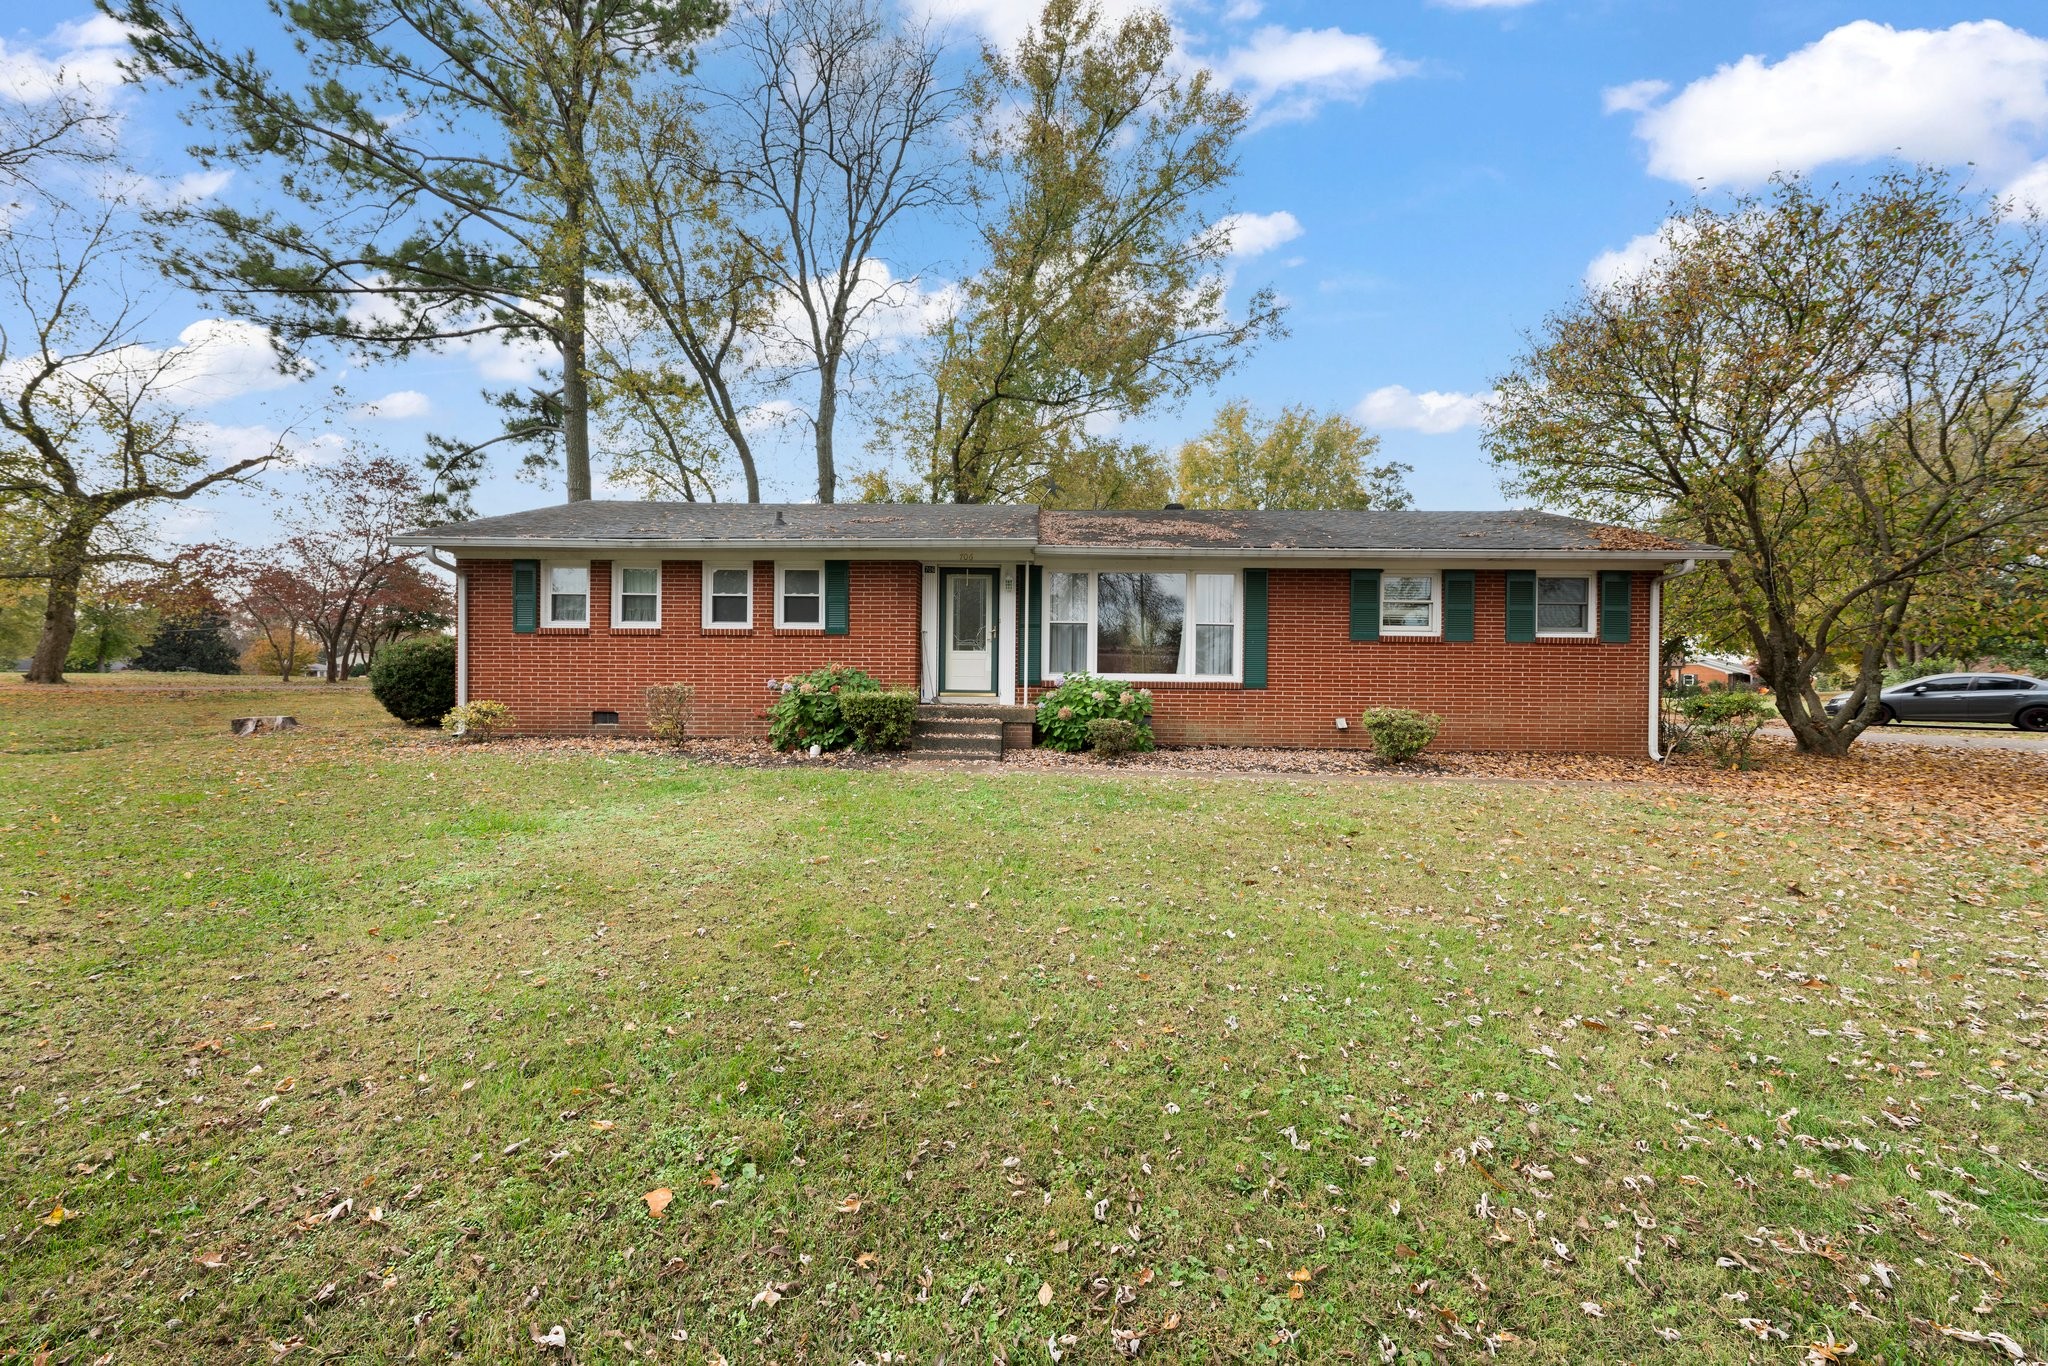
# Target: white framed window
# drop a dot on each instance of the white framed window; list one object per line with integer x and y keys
{"x": 1408, "y": 604}
{"x": 728, "y": 597}
{"x": 800, "y": 597}
{"x": 1215, "y": 650}
{"x": 1689, "y": 680}
{"x": 636, "y": 597}
{"x": 565, "y": 595}
{"x": 1067, "y": 623}
{"x": 1143, "y": 624}
{"x": 1564, "y": 605}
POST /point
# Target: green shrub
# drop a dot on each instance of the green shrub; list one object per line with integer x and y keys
{"x": 1398, "y": 734}
{"x": 1064, "y": 713}
{"x": 879, "y": 720}
{"x": 415, "y": 679}
{"x": 670, "y": 709}
{"x": 1726, "y": 723}
{"x": 1112, "y": 737}
{"x": 806, "y": 708}
{"x": 479, "y": 720}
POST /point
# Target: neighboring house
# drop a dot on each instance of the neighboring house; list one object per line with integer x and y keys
{"x": 1523, "y": 630}
{"x": 1708, "y": 671}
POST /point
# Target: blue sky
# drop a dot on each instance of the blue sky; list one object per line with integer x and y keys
{"x": 1424, "y": 181}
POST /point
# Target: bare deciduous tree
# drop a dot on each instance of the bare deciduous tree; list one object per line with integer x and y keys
{"x": 93, "y": 418}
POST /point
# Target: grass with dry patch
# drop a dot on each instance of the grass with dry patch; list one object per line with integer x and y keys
{"x": 347, "y": 1043}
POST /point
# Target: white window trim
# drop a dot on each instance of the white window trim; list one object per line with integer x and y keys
{"x": 1592, "y": 626}
{"x": 1188, "y": 624}
{"x": 547, "y": 595}
{"x": 710, "y": 568}
{"x": 619, "y": 622}
{"x": 1436, "y": 603}
{"x": 781, "y": 591}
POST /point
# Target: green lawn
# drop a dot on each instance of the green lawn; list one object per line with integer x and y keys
{"x": 347, "y": 1044}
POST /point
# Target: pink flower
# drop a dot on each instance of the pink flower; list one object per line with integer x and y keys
{"x": 1097, "y": 694}
{"x": 1124, "y": 701}
{"x": 809, "y": 688}
{"x": 1066, "y": 713}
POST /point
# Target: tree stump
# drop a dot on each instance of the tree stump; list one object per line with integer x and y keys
{"x": 262, "y": 725}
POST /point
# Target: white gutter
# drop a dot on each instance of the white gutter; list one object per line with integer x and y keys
{"x": 461, "y": 638}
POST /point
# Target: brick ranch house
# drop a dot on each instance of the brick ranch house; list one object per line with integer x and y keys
{"x": 1523, "y": 630}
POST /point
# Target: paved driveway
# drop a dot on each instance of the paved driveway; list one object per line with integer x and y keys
{"x": 1945, "y": 737}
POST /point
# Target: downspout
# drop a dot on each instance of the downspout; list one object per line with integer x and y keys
{"x": 461, "y": 637}
{"x": 1657, "y": 655}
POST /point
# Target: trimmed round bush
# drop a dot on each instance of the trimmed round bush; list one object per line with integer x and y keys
{"x": 1112, "y": 737}
{"x": 1397, "y": 733}
{"x": 415, "y": 679}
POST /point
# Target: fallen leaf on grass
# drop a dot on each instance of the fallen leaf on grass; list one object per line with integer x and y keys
{"x": 59, "y": 1215}
{"x": 1999, "y": 1340}
{"x": 658, "y": 1201}
{"x": 850, "y": 1205}
{"x": 1045, "y": 1294}
{"x": 554, "y": 1337}
{"x": 212, "y": 1261}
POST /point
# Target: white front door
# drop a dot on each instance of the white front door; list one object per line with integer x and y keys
{"x": 969, "y": 647}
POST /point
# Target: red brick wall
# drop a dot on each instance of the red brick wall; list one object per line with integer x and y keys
{"x": 1549, "y": 694}
{"x": 554, "y": 678}
{"x": 1564, "y": 695}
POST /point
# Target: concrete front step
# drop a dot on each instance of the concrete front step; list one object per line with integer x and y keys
{"x": 953, "y": 736}
{"x": 931, "y": 711}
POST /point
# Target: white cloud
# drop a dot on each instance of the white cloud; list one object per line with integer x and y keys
{"x": 1291, "y": 73}
{"x": 399, "y": 406}
{"x": 2029, "y": 190}
{"x": 1255, "y": 234}
{"x": 217, "y": 359}
{"x": 82, "y": 55}
{"x": 154, "y": 192}
{"x": 1004, "y": 21}
{"x": 1635, "y": 97}
{"x": 1638, "y": 254}
{"x": 1975, "y": 92}
{"x": 1242, "y": 11}
{"x": 1399, "y": 408}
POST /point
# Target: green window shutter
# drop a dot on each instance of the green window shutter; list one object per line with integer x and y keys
{"x": 526, "y": 596}
{"x": 1255, "y": 628}
{"x": 1034, "y": 612}
{"x": 836, "y": 614}
{"x": 1365, "y": 604}
{"x": 1521, "y": 604}
{"x": 1614, "y": 594}
{"x": 1459, "y": 596}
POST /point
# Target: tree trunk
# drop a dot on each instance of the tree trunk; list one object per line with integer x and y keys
{"x": 1815, "y": 732}
{"x": 60, "y": 622}
{"x": 575, "y": 398}
{"x": 828, "y": 412}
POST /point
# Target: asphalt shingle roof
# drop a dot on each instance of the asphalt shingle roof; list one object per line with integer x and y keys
{"x": 881, "y": 526}
{"x": 619, "y": 522}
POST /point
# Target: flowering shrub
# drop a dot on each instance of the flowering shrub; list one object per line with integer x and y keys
{"x": 1064, "y": 713}
{"x": 478, "y": 720}
{"x": 806, "y": 708}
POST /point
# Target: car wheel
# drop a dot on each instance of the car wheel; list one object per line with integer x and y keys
{"x": 1885, "y": 716}
{"x": 2033, "y": 718}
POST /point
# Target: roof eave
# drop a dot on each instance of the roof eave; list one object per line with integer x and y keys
{"x": 1463, "y": 554}
{"x": 1021, "y": 543}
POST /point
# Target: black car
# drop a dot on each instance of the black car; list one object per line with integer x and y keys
{"x": 1996, "y": 699}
